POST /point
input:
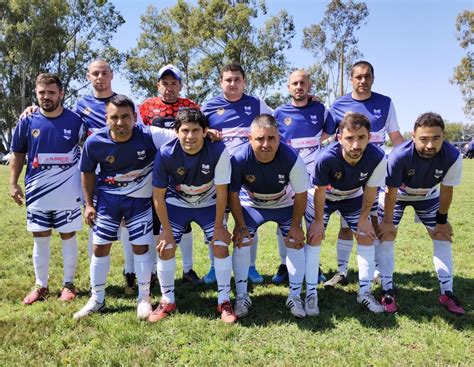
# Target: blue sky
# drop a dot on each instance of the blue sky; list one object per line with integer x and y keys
{"x": 411, "y": 43}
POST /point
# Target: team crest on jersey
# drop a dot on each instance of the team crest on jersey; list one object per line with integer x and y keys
{"x": 411, "y": 172}
{"x": 180, "y": 171}
{"x": 377, "y": 113}
{"x": 248, "y": 110}
{"x": 141, "y": 154}
{"x": 363, "y": 176}
{"x": 438, "y": 173}
{"x": 205, "y": 169}
{"x": 250, "y": 178}
{"x": 281, "y": 179}
{"x": 287, "y": 121}
{"x": 87, "y": 111}
{"x": 220, "y": 111}
{"x": 338, "y": 175}
{"x": 110, "y": 159}
{"x": 67, "y": 134}
{"x": 314, "y": 119}
{"x": 35, "y": 133}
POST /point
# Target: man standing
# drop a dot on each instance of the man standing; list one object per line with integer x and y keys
{"x": 347, "y": 176}
{"x": 270, "y": 183}
{"x": 303, "y": 124}
{"x": 161, "y": 111}
{"x": 422, "y": 173}
{"x": 232, "y": 113}
{"x": 190, "y": 180}
{"x": 49, "y": 138}
{"x": 380, "y": 111}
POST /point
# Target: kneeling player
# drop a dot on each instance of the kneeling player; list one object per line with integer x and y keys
{"x": 415, "y": 170}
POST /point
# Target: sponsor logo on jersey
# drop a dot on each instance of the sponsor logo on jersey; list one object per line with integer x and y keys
{"x": 250, "y": 178}
{"x": 338, "y": 175}
{"x": 363, "y": 176}
{"x": 377, "y": 113}
{"x": 205, "y": 169}
{"x": 87, "y": 111}
{"x": 180, "y": 171}
{"x": 141, "y": 154}
{"x": 288, "y": 121}
{"x": 220, "y": 111}
{"x": 35, "y": 133}
{"x": 248, "y": 110}
{"x": 438, "y": 173}
{"x": 110, "y": 159}
{"x": 314, "y": 119}
{"x": 281, "y": 179}
{"x": 67, "y": 134}
{"x": 411, "y": 172}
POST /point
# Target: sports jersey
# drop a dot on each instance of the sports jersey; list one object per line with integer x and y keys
{"x": 190, "y": 179}
{"x": 154, "y": 111}
{"x": 52, "y": 180}
{"x": 418, "y": 178}
{"x": 343, "y": 180}
{"x": 268, "y": 185}
{"x": 377, "y": 108}
{"x": 125, "y": 167}
{"x": 302, "y": 127}
{"x": 234, "y": 118}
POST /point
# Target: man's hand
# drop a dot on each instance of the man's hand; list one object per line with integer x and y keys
{"x": 221, "y": 234}
{"x": 239, "y": 234}
{"x": 295, "y": 238}
{"x": 315, "y": 233}
{"x": 165, "y": 239}
{"x": 89, "y": 215}
{"x": 28, "y": 111}
{"x": 16, "y": 194}
{"x": 365, "y": 234}
{"x": 386, "y": 231}
{"x": 443, "y": 232}
{"x": 214, "y": 135}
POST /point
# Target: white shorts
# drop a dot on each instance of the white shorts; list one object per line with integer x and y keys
{"x": 64, "y": 221}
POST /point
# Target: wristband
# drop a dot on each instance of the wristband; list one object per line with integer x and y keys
{"x": 441, "y": 218}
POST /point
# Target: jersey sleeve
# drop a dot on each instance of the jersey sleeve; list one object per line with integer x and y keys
{"x": 88, "y": 163}
{"x": 264, "y": 108}
{"x": 161, "y": 136}
{"x": 19, "y": 139}
{"x": 321, "y": 173}
{"x": 453, "y": 176}
{"x": 160, "y": 174}
{"x": 223, "y": 170}
{"x": 394, "y": 176}
{"x": 236, "y": 175}
{"x": 391, "y": 125}
{"x": 299, "y": 178}
{"x": 377, "y": 178}
{"x": 329, "y": 126}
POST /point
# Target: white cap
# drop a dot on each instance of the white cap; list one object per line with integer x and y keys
{"x": 171, "y": 69}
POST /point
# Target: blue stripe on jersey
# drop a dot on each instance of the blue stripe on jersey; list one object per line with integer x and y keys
{"x": 92, "y": 111}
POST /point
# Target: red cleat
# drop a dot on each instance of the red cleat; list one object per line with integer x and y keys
{"x": 162, "y": 311}
{"x": 68, "y": 292}
{"x": 452, "y": 304}
{"x": 37, "y": 294}
{"x": 227, "y": 312}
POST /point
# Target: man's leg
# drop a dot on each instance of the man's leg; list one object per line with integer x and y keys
{"x": 344, "y": 249}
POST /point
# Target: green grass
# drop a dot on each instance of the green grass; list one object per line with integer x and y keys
{"x": 422, "y": 333}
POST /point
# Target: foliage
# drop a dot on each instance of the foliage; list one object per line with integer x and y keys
{"x": 334, "y": 44}
{"x": 55, "y": 36}
{"x": 200, "y": 38}
{"x": 463, "y": 73}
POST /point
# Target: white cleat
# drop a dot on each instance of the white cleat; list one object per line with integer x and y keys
{"x": 295, "y": 304}
{"x": 242, "y": 305}
{"x": 311, "y": 305}
{"x": 144, "y": 308}
{"x": 92, "y": 306}
{"x": 368, "y": 300}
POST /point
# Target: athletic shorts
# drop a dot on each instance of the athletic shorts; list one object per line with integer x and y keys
{"x": 373, "y": 210}
{"x": 255, "y": 217}
{"x": 64, "y": 221}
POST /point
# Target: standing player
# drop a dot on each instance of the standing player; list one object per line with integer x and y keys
{"x": 422, "y": 173}
{"x": 125, "y": 154}
{"x": 232, "y": 113}
{"x": 190, "y": 181}
{"x": 161, "y": 111}
{"x": 270, "y": 183}
{"x": 380, "y": 111}
{"x": 304, "y": 124}
{"x": 49, "y": 138}
{"x": 347, "y": 176}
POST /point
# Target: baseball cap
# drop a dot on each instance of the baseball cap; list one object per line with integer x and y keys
{"x": 171, "y": 69}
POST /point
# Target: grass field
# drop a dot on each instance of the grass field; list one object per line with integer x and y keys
{"x": 422, "y": 333}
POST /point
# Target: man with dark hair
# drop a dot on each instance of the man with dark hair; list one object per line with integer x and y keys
{"x": 347, "y": 176}
{"x": 269, "y": 183}
{"x": 422, "y": 173}
{"x": 190, "y": 181}
{"x": 49, "y": 138}
{"x": 380, "y": 111}
{"x": 125, "y": 154}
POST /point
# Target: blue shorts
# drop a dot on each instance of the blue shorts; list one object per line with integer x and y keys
{"x": 64, "y": 221}
{"x": 112, "y": 208}
{"x": 255, "y": 217}
{"x": 180, "y": 219}
{"x": 373, "y": 210}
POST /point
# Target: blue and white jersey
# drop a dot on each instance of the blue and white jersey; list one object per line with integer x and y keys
{"x": 418, "y": 178}
{"x": 190, "y": 179}
{"x": 302, "y": 127}
{"x": 345, "y": 181}
{"x": 379, "y": 110}
{"x": 52, "y": 180}
{"x": 268, "y": 185}
{"x": 234, "y": 118}
{"x": 125, "y": 167}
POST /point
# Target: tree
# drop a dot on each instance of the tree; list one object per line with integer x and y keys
{"x": 463, "y": 75}
{"x": 55, "y": 36}
{"x": 334, "y": 44}
{"x": 200, "y": 38}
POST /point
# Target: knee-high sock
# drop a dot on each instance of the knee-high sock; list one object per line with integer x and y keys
{"x": 223, "y": 274}
{"x": 99, "y": 269}
{"x": 344, "y": 248}
{"x": 295, "y": 261}
{"x": 90, "y": 243}
{"x": 281, "y": 246}
{"x": 143, "y": 271}
{"x": 241, "y": 263}
{"x": 166, "y": 270}
{"x": 69, "y": 259}
{"x": 153, "y": 254}
{"x": 312, "y": 254}
{"x": 186, "y": 247}
{"x": 41, "y": 255}
{"x": 127, "y": 250}
{"x": 386, "y": 259}
{"x": 443, "y": 263}
{"x": 253, "y": 250}
{"x": 366, "y": 263}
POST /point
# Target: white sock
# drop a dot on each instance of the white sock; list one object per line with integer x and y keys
{"x": 240, "y": 264}
{"x": 295, "y": 261}
{"x": 41, "y": 255}
{"x": 166, "y": 270}
{"x": 143, "y": 271}
{"x": 312, "y": 254}
{"x": 127, "y": 250}
{"x": 186, "y": 247}
{"x": 99, "y": 269}
{"x": 90, "y": 243}
{"x": 69, "y": 259}
{"x": 223, "y": 273}
{"x": 385, "y": 253}
{"x": 253, "y": 250}
{"x": 344, "y": 248}
{"x": 281, "y": 246}
{"x": 153, "y": 254}
{"x": 366, "y": 264}
{"x": 211, "y": 254}
{"x": 443, "y": 263}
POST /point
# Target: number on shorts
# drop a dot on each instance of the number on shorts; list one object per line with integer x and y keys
{"x": 68, "y": 216}
{"x": 145, "y": 227}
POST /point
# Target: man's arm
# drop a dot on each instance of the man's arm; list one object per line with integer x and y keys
{"x": 443, "y": 230}
{"x": 387, "y": 230}
{"x": 16, "y": 166}
{"x": 240, "y": 229}
{"x": 88, "y": 187}
{"x": 166, "y": 236}
{"x": 395, "y": 137}
{"x": 220, "y": 232}
{"x": 295, "y": 238}
{"x": 316, "y": 229}
{"x": 365, "y": 231}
